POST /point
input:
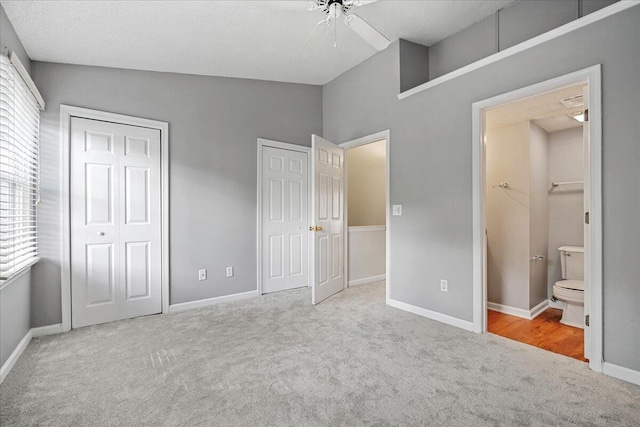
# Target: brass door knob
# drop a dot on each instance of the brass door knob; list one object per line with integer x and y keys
{"x": 318, "y": 228}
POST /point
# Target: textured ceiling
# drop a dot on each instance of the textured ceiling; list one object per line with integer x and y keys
{"x": 545, "y": 110}
{"x": 251, "y": 39}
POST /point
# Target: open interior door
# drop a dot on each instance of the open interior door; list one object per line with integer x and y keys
{"x": 587, "y": 231}
{"x": 327, "y": 227}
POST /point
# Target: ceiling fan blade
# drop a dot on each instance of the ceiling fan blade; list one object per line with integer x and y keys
{"x": 367, "y": 32}
{"x": 282, "y": 5}
{"x": 318, "y": 33}
{"x": 360, "y": 2}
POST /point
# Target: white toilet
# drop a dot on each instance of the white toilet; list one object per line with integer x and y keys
{"x": 571, "y": 290}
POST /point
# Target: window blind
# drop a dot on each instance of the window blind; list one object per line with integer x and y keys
{"x": 19, "y": 127}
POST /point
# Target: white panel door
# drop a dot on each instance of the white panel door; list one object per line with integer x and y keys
{"x": 587, "y": 236}
{"x": 285, "y": 199}
{"x": 115, "y": 222}
{"x": 327, "y": 249}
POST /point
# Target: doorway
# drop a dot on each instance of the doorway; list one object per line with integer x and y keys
{"x": 534, "y": 276}
{"x": 115, "y": 217}
{"x": 327, "y": 258}
{"x": 283, "y": 216}
{"x": 367, "y": 210}
{"x": 365, "y": 213}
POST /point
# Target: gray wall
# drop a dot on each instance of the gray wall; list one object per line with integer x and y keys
{"x": 14, "y": 314}
{"x": 414, "y": 64}
{"x": 509, "y": 215}
{"x": 514, "y": 24}
{"x": 14, "y": 298}
{"x": 464, "y": 47}
{"x": 518, "y": 216}
{"x": 528, "y": 18}
{"x": 538, "y": 213}
{"x": 214, "y": 123}
{"x": 431, "y": 145}
{"x": 566, "y": 204}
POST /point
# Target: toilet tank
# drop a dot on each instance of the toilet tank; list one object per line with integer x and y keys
{"x": 572, "y": 260}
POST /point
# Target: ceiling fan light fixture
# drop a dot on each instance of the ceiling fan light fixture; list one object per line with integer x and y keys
{"x": 335, "y": 9}
{"x": 579, "y": 116}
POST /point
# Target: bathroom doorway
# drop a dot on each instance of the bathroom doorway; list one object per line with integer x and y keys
{"x": 537, "y": 218}
{"x": 367, "y": 211}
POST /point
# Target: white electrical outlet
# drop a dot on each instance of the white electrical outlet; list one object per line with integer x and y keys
{"x": 229, "y": 271}
{"x": 202, "y": 274}
{"x": 444, "y": 285}
{"x": 397, "y": 210}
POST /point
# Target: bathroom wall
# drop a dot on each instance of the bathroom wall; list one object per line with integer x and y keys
{"x": 517, "y": 216}
{"x": 507, "y": 157}
{"x": 538, "y": 214}
{"x": 566, "y": 160}
{"x": 367, "y": 184}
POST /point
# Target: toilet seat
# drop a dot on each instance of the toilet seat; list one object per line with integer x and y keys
{"x": 569, "y": 290}
{"x": 577, "y": 285}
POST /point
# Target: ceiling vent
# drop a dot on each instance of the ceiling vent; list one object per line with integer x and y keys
{"x": 573, "y": 101}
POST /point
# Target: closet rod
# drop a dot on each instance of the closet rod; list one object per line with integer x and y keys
{"x": 556, "y": 184}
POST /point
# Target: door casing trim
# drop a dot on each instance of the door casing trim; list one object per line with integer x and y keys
{"x": 66, "y": 113}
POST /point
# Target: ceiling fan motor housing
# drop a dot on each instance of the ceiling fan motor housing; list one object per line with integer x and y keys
{"x": 325, "y": 5}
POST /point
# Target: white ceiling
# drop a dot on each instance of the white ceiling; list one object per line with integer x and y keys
{"x": 257, "y": 39}
{"x": 545, "y": 110}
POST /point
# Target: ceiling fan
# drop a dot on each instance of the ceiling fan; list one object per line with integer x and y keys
{"x": 334, "y": 10}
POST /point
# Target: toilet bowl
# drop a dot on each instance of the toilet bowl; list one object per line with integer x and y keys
{"x": 571, "y": 290}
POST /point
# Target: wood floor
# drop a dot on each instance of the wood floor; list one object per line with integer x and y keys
{"x": 545, "y": 331}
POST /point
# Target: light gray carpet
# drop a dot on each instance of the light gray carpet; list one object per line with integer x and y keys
{"x": 277, "y": 360}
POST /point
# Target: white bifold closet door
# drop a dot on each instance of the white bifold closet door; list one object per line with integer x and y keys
{"x": 285, "y": 210}
{"x": 115, "y": 222}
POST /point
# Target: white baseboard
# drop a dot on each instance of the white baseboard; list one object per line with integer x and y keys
{"x": 211, "y": 301}
{"x": 367, "y": 280}
{"x": 434, "y": 315}
{"x": 46, "y": 330}
{"x": 24, "y": 342}
{"x": 513, "y": 311}
{"x": 538, "y": 309}
{"x": 519, "y": 312}
{"x": 621, "y": 373}
{"x": 13, "y": 358}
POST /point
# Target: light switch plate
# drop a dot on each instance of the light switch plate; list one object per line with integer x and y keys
{"x": 202, "y": 274}
{"x": 397, "y": 210}
{"x": 229, "y": 271}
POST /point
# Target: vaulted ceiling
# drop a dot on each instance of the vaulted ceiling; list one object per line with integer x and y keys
{"x": 257, "y": 39}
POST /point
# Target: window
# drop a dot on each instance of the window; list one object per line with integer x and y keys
{"x": 19, "y": 125}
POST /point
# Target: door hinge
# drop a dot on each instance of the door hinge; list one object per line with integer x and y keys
{"x": 586, "y": 217}
{"x": 586, "y": 115}
{"x": 586, "y": 320}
